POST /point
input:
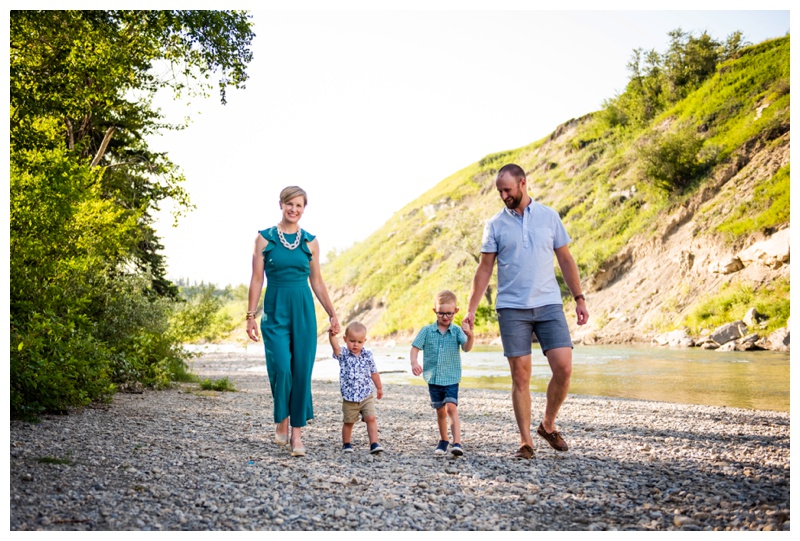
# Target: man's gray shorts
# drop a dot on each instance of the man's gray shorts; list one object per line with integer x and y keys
{"x": 518, "y": 325}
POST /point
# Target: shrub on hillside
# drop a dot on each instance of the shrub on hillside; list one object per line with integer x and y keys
{"x": 673, "y": 160}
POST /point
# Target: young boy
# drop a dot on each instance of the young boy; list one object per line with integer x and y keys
{"x": 442, "y": 366}
{"x": 357, "y": 374}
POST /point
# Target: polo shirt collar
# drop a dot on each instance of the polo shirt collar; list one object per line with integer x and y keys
{"x": 528, "y": 210}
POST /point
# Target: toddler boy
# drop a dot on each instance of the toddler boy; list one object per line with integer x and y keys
{"x": 357, "y": 374}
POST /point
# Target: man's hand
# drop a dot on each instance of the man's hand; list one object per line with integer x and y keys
{"x": 582, "y": 312}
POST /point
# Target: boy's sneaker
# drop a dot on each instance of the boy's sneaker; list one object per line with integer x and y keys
{"x": 375, "y": 448}
{"x": 456, "y": 449}
{"x": 347, "y": 448}
{"x": 441, "y": 449}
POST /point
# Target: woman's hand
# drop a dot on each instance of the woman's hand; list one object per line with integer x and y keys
{"x": 256, "y": 285}
{"x": 252, "y": 329}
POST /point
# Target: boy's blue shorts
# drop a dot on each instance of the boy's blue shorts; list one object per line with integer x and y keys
{"x": 441, "y": 394}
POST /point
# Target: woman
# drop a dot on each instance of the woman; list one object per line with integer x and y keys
{"x": 289, "y": 257}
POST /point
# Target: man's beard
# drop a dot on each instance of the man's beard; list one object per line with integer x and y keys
{"x": 513, "y": 202}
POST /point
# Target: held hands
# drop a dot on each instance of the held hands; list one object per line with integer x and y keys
{"x": 337, "y": 350}
{"x": 334, "y": 330}
{"x": 468, "y": 322}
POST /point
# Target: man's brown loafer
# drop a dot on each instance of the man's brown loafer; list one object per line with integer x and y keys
{"x": 526, "y": 452}
{"x": 553, "y": 438}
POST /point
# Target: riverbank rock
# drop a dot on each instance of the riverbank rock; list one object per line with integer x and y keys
{"x": 776, "y": 341}
{"x": 728, "y": 332}
{"x": 773, "y": 252}
{"x": 679, "y": 338}
{"x": 726, "y": 266}
{"x": 752, "y": 317}
{"x": 748, "y": 343}
{"x": 704, "y": 339}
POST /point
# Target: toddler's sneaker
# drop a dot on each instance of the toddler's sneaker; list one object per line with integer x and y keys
{"x": 347, "y": 448}
{"x": 456, "y": 449}
{"x": 441, "y": 448}
{"x": 375, "y": 448}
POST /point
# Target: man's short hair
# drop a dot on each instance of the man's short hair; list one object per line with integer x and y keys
{"x": 445, "y": 297}
{"x": 512, "y": 169}
{"x": 356, "y": 326}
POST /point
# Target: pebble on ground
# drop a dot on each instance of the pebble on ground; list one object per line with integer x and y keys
{"x": 187, "y": 459}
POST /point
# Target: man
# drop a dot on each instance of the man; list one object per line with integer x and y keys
{"x": 522, "y": 238}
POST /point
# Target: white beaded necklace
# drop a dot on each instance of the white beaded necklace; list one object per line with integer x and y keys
{"x": 291, "y": 246}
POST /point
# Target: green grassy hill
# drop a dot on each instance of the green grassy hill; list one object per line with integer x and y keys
{"x": 710, "y": 172}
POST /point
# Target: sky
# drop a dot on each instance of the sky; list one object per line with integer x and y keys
{"x": 368, "y": 109}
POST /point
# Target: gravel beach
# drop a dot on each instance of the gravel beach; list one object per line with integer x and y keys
{"x": 186, "y": 459}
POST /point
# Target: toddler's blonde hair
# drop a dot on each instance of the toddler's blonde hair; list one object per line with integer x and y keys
{"x": 355, "y": 326}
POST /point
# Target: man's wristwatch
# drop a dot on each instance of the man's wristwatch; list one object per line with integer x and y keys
{"x": 579, "y": 297}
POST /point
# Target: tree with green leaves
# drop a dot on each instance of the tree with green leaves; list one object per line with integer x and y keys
{"x": 659, "y": 80}
{"x": 688, "y": 62}
{"x": 89, "y": 299}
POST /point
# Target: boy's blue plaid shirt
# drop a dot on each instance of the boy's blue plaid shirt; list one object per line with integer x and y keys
{"x": 441, "y": 353}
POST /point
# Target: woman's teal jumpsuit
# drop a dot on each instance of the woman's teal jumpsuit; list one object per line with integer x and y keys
{"x": 289, "y": 326}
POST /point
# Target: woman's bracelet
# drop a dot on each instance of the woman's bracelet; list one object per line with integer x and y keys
{"x": 250, "y": 315}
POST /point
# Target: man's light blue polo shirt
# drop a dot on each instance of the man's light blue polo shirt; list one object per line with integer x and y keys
{"x": 524, "y": 246}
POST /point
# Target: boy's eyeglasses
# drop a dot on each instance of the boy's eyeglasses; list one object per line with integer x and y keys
{"x": 445, "y": 314}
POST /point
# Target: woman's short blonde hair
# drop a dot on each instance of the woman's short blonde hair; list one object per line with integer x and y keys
{"x": 290, "y": 192}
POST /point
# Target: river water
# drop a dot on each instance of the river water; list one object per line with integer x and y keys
{"x": 752, "y": 380}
